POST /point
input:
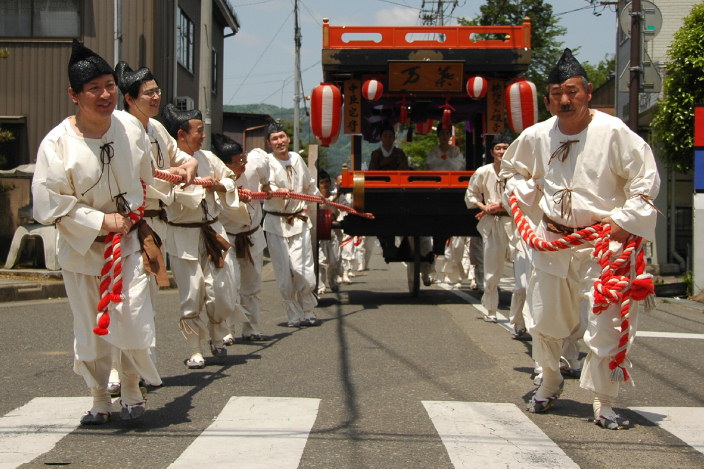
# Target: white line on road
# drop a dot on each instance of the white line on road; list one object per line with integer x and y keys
{"x": 487, "y": 435}
{"x": 669, "y": 335}
{"x": 36, "y": 427}
{"x": 254, "y": 432}
{"x": 504, "y": 321}
{"x": 686, "y": 423}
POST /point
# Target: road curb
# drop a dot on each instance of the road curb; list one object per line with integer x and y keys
{"x": 28, "y": 291}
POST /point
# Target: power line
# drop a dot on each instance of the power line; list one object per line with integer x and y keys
{"x": 260, "y": 57}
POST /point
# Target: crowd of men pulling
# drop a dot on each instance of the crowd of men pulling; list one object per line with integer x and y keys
{"x": 101, "y": 177}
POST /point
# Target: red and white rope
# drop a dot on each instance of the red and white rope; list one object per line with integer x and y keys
{"x": 175, "y": 179}
{"x": 111, "y": 273}
{"x": 622, "y": 279}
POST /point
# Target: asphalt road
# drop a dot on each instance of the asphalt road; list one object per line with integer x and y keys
{"x": 378, "y": 357}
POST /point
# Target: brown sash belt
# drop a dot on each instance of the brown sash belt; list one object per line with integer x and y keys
{"x": 554, "y": 227}
{"x": 215, "y": 244}
{"x": 243, "y": 243}
{"x": 290, "y": 216}
{"x": 160, "y": 214}
{"x": 152, "y": 256}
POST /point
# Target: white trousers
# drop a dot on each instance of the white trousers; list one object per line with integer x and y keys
{"x": 521, "y": 273}
{"x": 292, "y": 259}
{"x": 495, "y": 254}
{"x": 131, "y": 325}
{"x": 561, "y": 312}
{"x": 250, "y": 291}
{"x": 203, "y": 285}
{"x": 473, "y": 259}
{"x": 454, "y": 251}
{"x": 329, "y": 264}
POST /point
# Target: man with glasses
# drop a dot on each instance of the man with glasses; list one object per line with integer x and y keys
{"x": 142, "y": 98}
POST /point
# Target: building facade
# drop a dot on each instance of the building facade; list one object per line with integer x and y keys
{"x": 181, "y": 41}
{"x": 674, "y": 231}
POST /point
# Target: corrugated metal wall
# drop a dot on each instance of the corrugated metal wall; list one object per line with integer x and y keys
{"x": 34, "y": 80}
{"x": 32, "y": 88}
{"x": 137, "y": 46}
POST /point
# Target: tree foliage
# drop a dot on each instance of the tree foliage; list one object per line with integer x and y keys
{"x": 545, "y": 29}
{"x": 599, "y": 73}
{"x": 673, "y": 123}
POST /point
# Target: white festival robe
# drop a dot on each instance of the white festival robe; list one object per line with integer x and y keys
{"x": 290, "y": 245}
{"x": 610, "y": 171}
{"x": 74, "y": 190}
{"x": 255, "y": 175}
{"x": 200, "y": 283}
{"x": 486, "y": 187}
{"x": 453, "y": 159}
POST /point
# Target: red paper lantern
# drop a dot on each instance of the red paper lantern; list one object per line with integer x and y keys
{"x": 477, "y": 87}
{"x": 325, "y": 112}
{"x": 521, "y": 104}
{"x": 372, "y": 90}
{"x": 424, "y": 128}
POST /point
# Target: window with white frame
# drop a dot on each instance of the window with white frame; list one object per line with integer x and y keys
{"x": 40, "y": 18}
{"x": 185, "y": 44}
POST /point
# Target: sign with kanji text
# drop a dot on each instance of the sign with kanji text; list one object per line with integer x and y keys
{"x": 495, "y": 107}
{"x": 353, "y": 107}
{"x": 434, "y": 76}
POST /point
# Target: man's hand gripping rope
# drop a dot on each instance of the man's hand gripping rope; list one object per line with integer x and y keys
{"x": 111, "y": 273}
{"x": 622, "y": 279}
{"x": 248, "y": 195}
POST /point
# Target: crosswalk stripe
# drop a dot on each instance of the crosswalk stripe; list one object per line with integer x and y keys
{"x": 493, "y": 435}
{"x": 254, "y": 432}
{"x": 686, "y": 423}
{"x": 36, "y": 427}
{"x": 669, "y": 335}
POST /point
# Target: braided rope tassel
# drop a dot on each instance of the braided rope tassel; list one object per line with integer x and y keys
{"x": 111, "y": 273}
{"x": 174, "y": 179}
{"x": 621, "y": 279}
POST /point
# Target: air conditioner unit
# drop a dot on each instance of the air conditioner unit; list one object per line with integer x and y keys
{"x": 184, "y": 103}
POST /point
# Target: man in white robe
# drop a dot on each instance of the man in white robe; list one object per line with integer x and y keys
{"x": 329, "y": 262}
{"x": 580, "y": 167}
{"x": 142, "y": 99}
{"x": 88, "y": 180}
{"x": 448, "y": 157}
{"x": 495, "y": 224}
{"x": 287, "y": 228}
{"x": 202, "y": 260}
{"x": 243, "y": 227}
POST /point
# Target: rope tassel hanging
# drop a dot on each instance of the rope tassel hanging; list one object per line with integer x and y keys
{"x": 622, "y": 279}
{"x": 111, "y": 273}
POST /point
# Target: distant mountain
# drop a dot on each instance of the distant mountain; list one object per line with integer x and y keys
{"x": 331, "y": 158}
{"x": 274, "y": 111}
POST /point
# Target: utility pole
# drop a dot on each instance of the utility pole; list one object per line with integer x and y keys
{"x": 635, "y": 70}
{"x": 432, "y": 12}
{"x": 296, "y": 80}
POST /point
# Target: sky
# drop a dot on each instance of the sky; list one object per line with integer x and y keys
{"x": 259, "y": 59}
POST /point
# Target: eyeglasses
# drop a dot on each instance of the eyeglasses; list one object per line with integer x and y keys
{"x": 153, "y": 92}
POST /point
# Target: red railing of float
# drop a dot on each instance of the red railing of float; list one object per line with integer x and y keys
{"x": 453, "y": 37}
{"x": 409, "y": 179}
